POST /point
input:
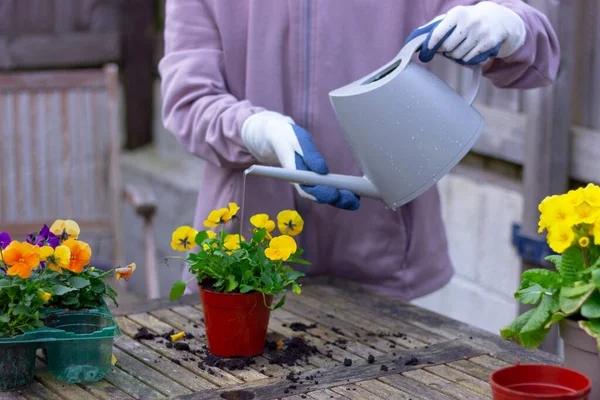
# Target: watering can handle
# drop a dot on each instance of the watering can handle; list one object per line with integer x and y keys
{"x": 408, "y": 51}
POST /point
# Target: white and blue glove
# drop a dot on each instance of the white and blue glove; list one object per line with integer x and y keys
{"x": 472, "y": 34}
{"x": 273, "y": 138}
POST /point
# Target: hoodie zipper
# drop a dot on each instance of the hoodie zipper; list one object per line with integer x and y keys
{"x": 307, "y": 14}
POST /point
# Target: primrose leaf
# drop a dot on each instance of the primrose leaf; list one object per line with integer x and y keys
{"x": 543, "y": 277}
{"x": 201, "y": 237}
{"x": 572, "y": 298}
{"x": 591, "y": 327}
{"x": 530, "y": 293}
{"x": 245, "y": 288}
{"x": 531, "y": 339}
{"x": 591, "y": 308}
{"x": 548, "y": 306}
{"x": 177, "y": 290}
{"x": 60, "y": 290}
{"x": 78, "y": 283}
{"x": 596, "y": 277}
{"x": 570, "y": 264}
{"x": 556, "y": 317}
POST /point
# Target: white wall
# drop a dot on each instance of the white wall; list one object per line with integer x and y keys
{"x": 479, "y": 218}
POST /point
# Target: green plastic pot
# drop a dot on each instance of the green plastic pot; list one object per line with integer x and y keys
{"x": 84, "y": 355}
{"x": 17, "y": 365}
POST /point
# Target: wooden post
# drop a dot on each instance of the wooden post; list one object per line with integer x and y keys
{"x": 547, "y": 142}
{"x": 138, "y": 55}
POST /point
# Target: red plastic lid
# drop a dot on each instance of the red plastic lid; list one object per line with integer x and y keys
{"x": 537, "y": 381}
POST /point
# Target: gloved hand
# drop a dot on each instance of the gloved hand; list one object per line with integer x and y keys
{"x": 274, "y": 138}
{"x": 472, "y": 34}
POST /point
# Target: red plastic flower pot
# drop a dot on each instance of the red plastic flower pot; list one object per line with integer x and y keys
{"x": 536, "y": 381}
{"x": 236, "y": 324}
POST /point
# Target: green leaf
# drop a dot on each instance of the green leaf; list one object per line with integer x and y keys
{"x": 293, "y": 275}
{"x": 21, "y": 310}
{"x": 298, "y": 261}
{"x": 512, "y": 331}
{"x": 556, "y": 317}
{"x": 543, "y": 277}
{"x": 201, "y": 237}
{"x": 554, "y": 259}
{"x": 266, "y": 278}
{"x": 279, "y": 303}
{"x": 596, "y": 277}
{"x": 232, "y": 283}
{"x": 245, "y": 288}
{"x": 259, "y": 235}
{"x": 542, "y": 314}
{"x": 4, "y": 318}
{"x": 298, "y": 252}
{"x": 60, "y": 290}
{"x": 570, "y": 264}
{"x": 591, "y": 327}
{"x": 594, "y": 255}
{"x": 99, "y": 287}
{"x": 177, "y": 290}
{"x": 572, "y": 298}
{"x": 78, "y": 283}
{"x": 4, "y": 282}
{"x": 591, "y": 308}
{"x": 530, "y": 294}
{"x": 70, "y": 301}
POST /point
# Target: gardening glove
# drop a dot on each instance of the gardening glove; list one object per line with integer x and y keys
{"x": 275, "y": 138}
{"x": 471, "y": 34}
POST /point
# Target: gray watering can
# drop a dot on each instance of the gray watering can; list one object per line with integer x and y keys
{"x": 405, "y": 126}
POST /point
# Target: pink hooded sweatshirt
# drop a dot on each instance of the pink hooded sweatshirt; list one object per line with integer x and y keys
{"x": 227, "y": 59}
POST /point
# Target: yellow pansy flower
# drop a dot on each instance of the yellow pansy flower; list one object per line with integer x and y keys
{"x": 281, "y": 248}
{"x": 184, "y": 238}
{"x": 558, "y": 212}
{"x": 81, "y": 253}
{"x": 584, "y": 242}
{"x": 591, "y": 195}
{"x": 65, "y": 229}
{"x": 586, "y": 214}
{"x": 125, "y": 272}
{"x": 560, "y": 237}
{"x": 232, "y": 242}
{"x": 211, "y": 235}
{"x": 290, "y": 222}
{"x": 262, "y": 221}
{"x": 221, "y": 216}
{"x": 45, "y": 296}
{"x": 56, "y": 259}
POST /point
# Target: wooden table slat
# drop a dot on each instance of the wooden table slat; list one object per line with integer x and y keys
{"x": 417, "y": 389}
{"x": 219, "y": 378}
{"x": 461, "y": 378}
{"x": 38, "y": 392}
{"x": 66, "y": 391}
{"x": 382, "y": 390}
{"x": 489, "y": 362}
{"x": 475, "y": 370}
{"x": 443, "y": 385}
{"x": 131, "y": 385}
{"x": 355, "y": 392}
{"x": 11, "y": 396}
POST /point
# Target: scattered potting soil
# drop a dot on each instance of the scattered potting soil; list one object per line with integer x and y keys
{"x": 347, "y": 362}
{"x": 300, "y": 327}
{"x": 294, "y": 350}
{"x": 176, "y": 361}
{"x": 412, "y": 361}
{"x": 232, "y": 364}
{"x": 371, "y": 359}
{"x": 384, "y": 368}
{"x": 144, "y": 334}
{"x": 181, "y": 346}
{"x": 337, "y": 330}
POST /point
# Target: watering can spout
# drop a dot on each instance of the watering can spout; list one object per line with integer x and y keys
{"x": 360, "y": 186}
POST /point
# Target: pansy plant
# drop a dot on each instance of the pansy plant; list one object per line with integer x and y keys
{"x": 231, "y": 263}
{"x": 572, "y": 222}
{"x": 49, "y": 269}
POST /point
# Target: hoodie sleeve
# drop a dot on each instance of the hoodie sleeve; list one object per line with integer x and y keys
{"x": 197, "y": 107}
{"x": 535, "y": 64}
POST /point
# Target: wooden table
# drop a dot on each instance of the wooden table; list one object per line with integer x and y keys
{"x": 417, "y": 354}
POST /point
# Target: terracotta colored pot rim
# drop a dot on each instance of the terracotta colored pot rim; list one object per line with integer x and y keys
{"x": 540, "y": 369}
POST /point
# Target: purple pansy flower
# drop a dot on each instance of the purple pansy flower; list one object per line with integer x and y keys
{"x": 4, "y": 240}
{"x": 43, "y": 238}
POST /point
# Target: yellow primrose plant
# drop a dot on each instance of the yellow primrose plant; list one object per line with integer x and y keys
{"x": 57, "y": 261}
{"x": 229, "y": 263}
{"x": 572, "y": 222}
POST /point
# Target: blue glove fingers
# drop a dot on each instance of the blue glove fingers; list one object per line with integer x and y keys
{"x": 481, "y": 57}
{"x": 323, "y": 194}
{"x": 426, "y": 54}
{"x": 312, "y": 158}
{"x": 347, "y": 200}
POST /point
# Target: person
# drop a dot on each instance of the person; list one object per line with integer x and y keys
{"x": 244, "y": 82}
